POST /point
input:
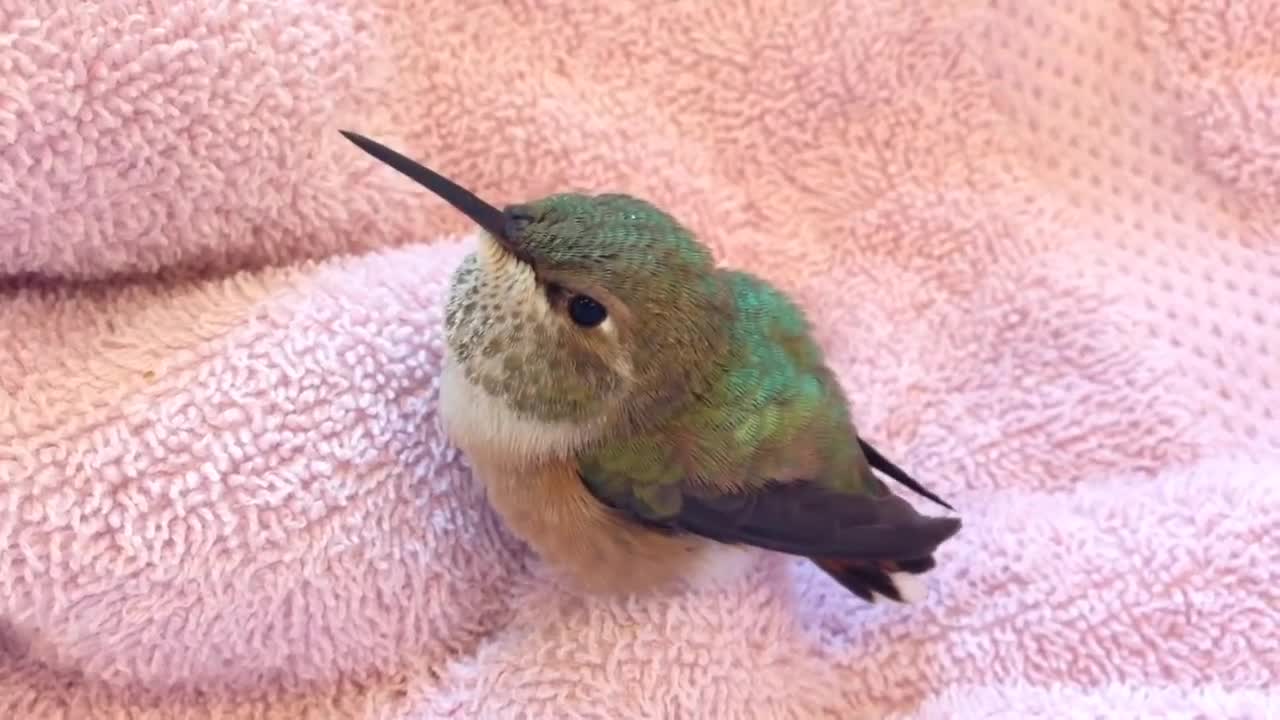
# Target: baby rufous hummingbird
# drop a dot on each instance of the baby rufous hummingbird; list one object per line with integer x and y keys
{"x": 633, "y": 410}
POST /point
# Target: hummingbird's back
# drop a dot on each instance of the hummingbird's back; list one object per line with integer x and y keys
{"x": 777, "y": 428}
{"x": 776, "y": 410}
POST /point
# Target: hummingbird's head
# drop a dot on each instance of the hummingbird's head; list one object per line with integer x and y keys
{"x": 589, "y": 309}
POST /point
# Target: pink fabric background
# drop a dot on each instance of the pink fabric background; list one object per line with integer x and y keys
{"x": 1039, "y": 241}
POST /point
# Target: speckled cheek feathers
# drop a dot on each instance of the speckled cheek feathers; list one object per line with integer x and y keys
{"x": 510, "y": 343}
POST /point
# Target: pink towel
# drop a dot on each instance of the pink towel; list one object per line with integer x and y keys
{"x": 1039, "y": 241}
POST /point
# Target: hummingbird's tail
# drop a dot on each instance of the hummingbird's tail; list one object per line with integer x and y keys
{"x": 896, "y": 580}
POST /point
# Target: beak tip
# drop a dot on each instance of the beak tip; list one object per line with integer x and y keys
{"x": 480, "y": 212}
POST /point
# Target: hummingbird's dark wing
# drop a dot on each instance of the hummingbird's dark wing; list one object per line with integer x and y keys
{"x": 865, "y": 543}
{"x": 859, "y": 539}
{"x": 805, "y": 518}
{"x": 796, "y": 517}
{"x": 884, "y": 465}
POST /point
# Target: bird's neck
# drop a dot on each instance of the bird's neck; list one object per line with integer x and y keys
{"x": 488, "y": 430}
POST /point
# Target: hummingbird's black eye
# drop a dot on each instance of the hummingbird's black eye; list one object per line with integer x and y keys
{"x": 586, "y": 312}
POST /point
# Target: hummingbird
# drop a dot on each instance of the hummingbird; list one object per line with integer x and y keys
{"x": 636, "y": 414}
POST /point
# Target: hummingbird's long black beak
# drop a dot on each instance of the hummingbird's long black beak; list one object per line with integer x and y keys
{"x": 485, "y": 215}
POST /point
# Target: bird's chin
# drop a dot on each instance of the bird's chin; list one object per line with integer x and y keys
{"x": 500, "y": 254}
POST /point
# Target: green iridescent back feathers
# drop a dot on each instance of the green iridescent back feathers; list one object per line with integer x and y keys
{"x": 770, "y": 398}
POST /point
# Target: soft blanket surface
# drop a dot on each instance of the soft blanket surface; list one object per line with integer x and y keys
{"x": 1038, "y": 240}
